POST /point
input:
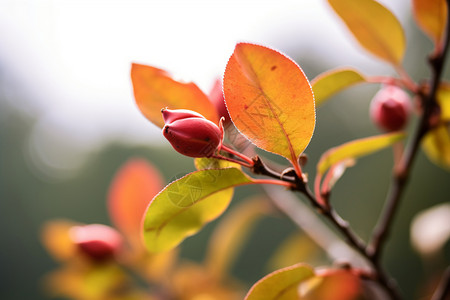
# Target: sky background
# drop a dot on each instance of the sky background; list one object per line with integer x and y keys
{"x": 71, "y": 60}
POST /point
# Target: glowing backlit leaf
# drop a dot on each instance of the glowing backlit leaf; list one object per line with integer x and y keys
{"x": 355, "y": 149}
{"x": 134, "y": 185}
{"x": 232, "y": 232}
{"x": 374, "y": 27}
{"x": 331, "y": 284}
{"x": 281, "y": 284}
{"x": 185, "y": 205}
{"x": 330, "y": 83}
{"x": 437, "y": 146}
{"x": 155, "y": 89}
{"x": 269, "y": 100}
{"x": 443, "y": 98}
{"x": 431, "y": 16}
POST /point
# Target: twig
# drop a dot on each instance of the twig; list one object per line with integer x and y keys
{"x": 401, "y": 176}
{"x": 443, "y": 289}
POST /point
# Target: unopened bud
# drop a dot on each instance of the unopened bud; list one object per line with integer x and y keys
{"x": 390, "y": 108}
{"x": 171, "y": 115}
{"x": 191, "y": 135}
{"x": 96, "y": 241}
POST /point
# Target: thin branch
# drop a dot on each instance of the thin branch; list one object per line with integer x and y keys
{"x": 401, "y": 176}
{"x": 443, "y": 289}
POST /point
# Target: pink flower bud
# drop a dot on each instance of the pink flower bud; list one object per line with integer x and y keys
{"x": 96, "y": 241}
{"x": 191, "y": 134}
{"x": 390, "y": 108}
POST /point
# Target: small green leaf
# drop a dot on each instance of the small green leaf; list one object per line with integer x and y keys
{"x": 436, "y": 145}
{"x": 374, "y": 27}
{"x": 355, "y": 149}
{"x": 329, "y": 83}
{"x": 184, "y": 206}
{"x": 281, "y": 284}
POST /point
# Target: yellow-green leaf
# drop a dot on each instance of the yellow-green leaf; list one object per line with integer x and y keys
{"x": 204, "y": 163}
{"x": 184, "y": 206}
{"x": 155, "y": 89}
{"x": 437, "y": 146}
{"x": 443, "y": 98}
{"x": 269, "y": 100}
{"x": 329, "y": 83}
{"x": 431, "y": 16}
{"x": 281, "y": 284}
{"x": 232, "y": 232}
{"x": 355, "y": 149}
{"x": 374, "y": 27}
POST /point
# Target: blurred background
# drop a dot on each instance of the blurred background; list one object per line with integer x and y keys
{"x": 68, "y": 118}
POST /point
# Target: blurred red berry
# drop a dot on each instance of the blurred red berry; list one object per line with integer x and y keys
{"x": 96, "y": 241}
{"x": 390, "y": 108}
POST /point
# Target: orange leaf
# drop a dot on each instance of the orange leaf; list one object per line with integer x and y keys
{"x": 332, "y": 285}
{"x": 154, "y": 89}
{"x": 431, "y": 16}
{"x": 134, "y": 185}
{"x": 374, "y": 27}
{"x": 269, "y": 100}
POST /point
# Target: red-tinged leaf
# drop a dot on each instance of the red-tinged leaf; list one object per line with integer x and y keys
{"x": 131, "y": 190}
{"x": 332, "y": 82}
{"x": 269, "y": 100}
{"x": 437, "y": 146}
{"x": 431, "y": 16}
{"x": 155, "y": 89}
{"x": 332, "y": 285}
{"x": 281, "y": 284}
{"x": 374, "y": 27}
{"x": 183, "y": 207}
{"x": 355, "y": 149}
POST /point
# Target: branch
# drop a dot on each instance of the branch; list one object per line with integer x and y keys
{"x": 400, "y": 179}
{"x": 443, "y": 289}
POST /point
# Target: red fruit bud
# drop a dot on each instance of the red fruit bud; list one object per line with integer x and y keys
{"x": 390, "y": 108}
{"x": 194, "y": 137}
{"x": 171, "y": 115}
{"x": 96, "y": 241}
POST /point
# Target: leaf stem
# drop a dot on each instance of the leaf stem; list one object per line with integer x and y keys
{"x": 245, "y": 158}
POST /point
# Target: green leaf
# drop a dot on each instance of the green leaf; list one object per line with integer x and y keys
{"x": 184, "y": 206}
{"x": 374, "y": 27}
{"x": 356, "y": 148}
{"x": 281, "y": 284}
{"x": 330, "y": 83}
{"x": 269, "y": 100}
{"x": 204, "y": 163}
{"x": 436, "y": 145}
